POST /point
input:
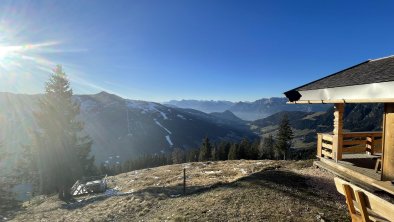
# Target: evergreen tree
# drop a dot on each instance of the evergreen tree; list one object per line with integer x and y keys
{"x": 244, "y": 148}
{"x": 253, "y": 153}
{"x": 178, "y": 156}
{"x": 266, "y": 149}
{"x": 62, "y": 147}
{"x": 223, "y": 149}
{"x": 192, "y": 155}
{"x": 205, "y": 151}
{"x": 215, "y": 153}
{"x": 283, "y": 138}
{"x": 233, "y": 153}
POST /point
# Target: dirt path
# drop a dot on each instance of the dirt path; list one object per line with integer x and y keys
{"x": 216, "y": 191}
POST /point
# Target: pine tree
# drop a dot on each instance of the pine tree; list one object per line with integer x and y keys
{"x": 215, "y": 153}
{"x": 233, "y": 153}
{"x": 253, "y": 153}
{"x": 62, "y": 146}
{"x": 223, "y": 149}
{"x": 205, "y": 150}
{"x": 192, "y": 155}
{"x": 283, "y": 138}
{"x": 266, "y": 149}
{"x": 178, "y": 156}
{"x": 244, "y": 148}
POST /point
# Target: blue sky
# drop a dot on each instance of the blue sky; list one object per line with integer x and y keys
{"x": 188, "y": 49}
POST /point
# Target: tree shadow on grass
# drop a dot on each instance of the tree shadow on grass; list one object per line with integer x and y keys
{"x": 283, "y": 182}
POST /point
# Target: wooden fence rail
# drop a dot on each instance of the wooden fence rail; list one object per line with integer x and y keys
{"x": 353, "y": 142}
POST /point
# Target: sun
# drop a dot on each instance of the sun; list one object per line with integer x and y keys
{"x": 3, "y": 52}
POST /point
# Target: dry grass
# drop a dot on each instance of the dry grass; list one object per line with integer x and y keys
{"x": 240, "y": 190}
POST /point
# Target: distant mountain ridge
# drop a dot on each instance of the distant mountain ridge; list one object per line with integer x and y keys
{"x": 207, "y": 106}
{"x": 248, "y": 110}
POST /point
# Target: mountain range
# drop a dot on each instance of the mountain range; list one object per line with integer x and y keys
{"x": 123, "y": 128}
{"x": 305, "y": 125}
{"x": 249, "y": 111}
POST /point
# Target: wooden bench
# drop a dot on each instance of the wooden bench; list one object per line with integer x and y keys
{"x": 363, "y": 205}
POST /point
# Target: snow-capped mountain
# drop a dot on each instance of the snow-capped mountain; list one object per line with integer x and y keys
{"x": 248, "y": 110}
{"x": 122, "y": 128}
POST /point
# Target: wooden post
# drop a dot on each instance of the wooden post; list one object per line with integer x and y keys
{"x": 388, "y": 142}
{"x": 370, "y": 144}
{"x": 337, "y": 138}
{"x": 319, "y": 144}
{"x": 184, "y": 181}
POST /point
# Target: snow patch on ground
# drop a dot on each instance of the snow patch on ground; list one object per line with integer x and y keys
{"x": 213, "y": 172}
{"x": 159, "y": 124}
{"x": 169, "y": 140}
{"x": 243, "y": 171}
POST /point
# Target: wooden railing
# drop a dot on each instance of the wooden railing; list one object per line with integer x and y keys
{"x": 352, "y": 142}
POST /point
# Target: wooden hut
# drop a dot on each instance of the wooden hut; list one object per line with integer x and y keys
{"x": 366, "y": 158}
{"x": 362, "y": 158}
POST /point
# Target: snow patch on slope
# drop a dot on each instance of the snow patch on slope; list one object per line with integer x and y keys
{"x": 146, "y": 107}
{"x": 169, "y": 140}
{"x": 180, "y": 116}
{"x": 159, "y": 124}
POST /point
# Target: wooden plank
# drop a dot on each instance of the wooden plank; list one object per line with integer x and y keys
{"x": 326, "y": 145}
{"x": 361, "y": 200}
{"x": 348, "y": 192}
{"x": 364, "y": 133}
{"x": 376, "y": 204}
{"x": 327, "y": 137}
{"x": 326, "y": 153}
{"x": 353, "y": 142}
{"x": 378, "y": 146}
{"x": 354, "y": 175}
{"x": 361, "y": 135}
{"x": 354, "y": 149}
{"x": 388, "y": 144}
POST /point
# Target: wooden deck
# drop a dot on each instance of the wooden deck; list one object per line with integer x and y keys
{"x": 352, "y": 168}
{"x": 361, "y": 163}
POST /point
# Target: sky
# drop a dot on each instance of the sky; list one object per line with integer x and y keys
{"x": 158, "y": 50}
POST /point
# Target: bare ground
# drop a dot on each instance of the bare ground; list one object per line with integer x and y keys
{"x": 240, "y": 190}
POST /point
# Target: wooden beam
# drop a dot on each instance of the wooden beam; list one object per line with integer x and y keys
{"x": 388, "y": 100}
{"x": 388, "y": 142}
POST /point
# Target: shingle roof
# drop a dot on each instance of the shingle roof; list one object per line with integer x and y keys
{"x": 371, "y": 71}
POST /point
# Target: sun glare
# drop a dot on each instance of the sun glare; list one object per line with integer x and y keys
{"x": 3, "y": 52}
{"x": 15, "y": 56}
